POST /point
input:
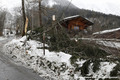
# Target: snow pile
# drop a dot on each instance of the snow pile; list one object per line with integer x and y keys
{"x": 52, "y": 65}
{"x": 106, "y": 31}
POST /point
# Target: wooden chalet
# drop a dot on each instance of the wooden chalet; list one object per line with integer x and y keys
{"x": 108, "y": 34}
{"x": 75, "y": 23}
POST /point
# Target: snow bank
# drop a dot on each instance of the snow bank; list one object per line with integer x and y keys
{"x": 52, "y": 65}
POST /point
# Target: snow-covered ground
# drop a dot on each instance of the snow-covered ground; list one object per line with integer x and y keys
{"x": 52, "y": 65}
{"x": 32, "y": 57}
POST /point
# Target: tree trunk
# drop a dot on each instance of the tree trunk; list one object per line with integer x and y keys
{"x": 40, "y": 12}
{"x": 2, "y": 21}
{"x": 24, "y": 19}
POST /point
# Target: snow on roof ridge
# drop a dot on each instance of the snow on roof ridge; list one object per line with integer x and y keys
{"x": 71, "y": 17}
{"x": 106, "y": 31}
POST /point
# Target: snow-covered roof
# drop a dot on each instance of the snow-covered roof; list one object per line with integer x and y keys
{"x": 82, "y": 19}
{"x": 71, "y": 17}
{"x": 106, "y": 31}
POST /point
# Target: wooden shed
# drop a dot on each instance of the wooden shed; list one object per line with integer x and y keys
{"x": 108, "y": 34}
{"x": 75, "y": 23}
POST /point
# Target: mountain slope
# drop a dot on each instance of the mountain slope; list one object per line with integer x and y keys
{"x": 101, "y": 21}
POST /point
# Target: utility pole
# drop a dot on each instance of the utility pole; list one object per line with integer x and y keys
{"x": 40, "y": 13}
{"x": 24, "y": 18}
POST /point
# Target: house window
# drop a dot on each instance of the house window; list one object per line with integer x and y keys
{"x": 76, "y": 28}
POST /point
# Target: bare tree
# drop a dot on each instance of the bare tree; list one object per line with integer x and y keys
{"x": 24, "y": 18}
{"x": 2, "y": 20}
{"x": 40, "y": 13}
{"x": 18, "y": 20}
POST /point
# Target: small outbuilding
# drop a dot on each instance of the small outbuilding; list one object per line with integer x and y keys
{"x": 75, "y": 23}
{"x": 108, "y": 34}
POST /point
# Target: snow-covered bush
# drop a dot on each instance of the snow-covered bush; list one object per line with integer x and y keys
{"x": 57, "y": 65}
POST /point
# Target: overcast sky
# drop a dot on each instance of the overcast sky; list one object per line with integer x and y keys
{"x": 104, "y": 6}
{"x": 79, "y": 3}
{"x": 12, "y": 3}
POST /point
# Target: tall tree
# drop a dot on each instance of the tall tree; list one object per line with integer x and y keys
{"x": 24, "y": 18}
{"x": 2, "y": 20}
{"x": 40, "y": 13}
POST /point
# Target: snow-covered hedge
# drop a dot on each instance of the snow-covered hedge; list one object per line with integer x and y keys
{"x": 53, "y": 65}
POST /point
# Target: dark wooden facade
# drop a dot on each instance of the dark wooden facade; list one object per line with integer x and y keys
{"x": 75, "y": 23}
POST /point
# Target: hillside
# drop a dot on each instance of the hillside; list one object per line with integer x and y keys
{"x": 62, "y": 9}
{"x": 101, "y": 21}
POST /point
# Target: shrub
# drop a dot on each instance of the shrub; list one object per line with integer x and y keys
{"x": 93, "y": 51}
{"x": 85, "y": 68}
{"x": 60, "y": 41}
{"x": 114, "y": 72}
{"x": 112, "y": 79}
{"x": 96, "y": 64}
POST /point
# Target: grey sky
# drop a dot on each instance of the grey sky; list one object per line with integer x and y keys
{"x": 10, "y": 4}
{"x": 97, "y": 5}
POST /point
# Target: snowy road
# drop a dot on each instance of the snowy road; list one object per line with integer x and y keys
{"x": 11, "y": 71}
